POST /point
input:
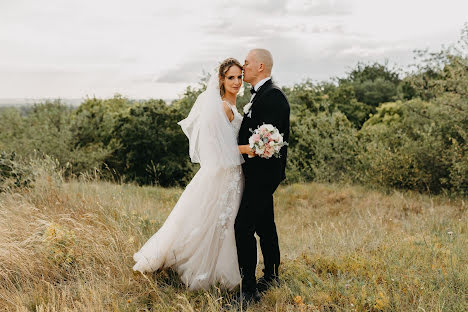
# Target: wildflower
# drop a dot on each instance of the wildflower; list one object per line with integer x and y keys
{"x": 298, "y": 300}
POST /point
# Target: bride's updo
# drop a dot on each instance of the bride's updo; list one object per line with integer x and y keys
{"x": 223, "y": 68}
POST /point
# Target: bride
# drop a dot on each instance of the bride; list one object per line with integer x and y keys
{"x": 197, "y": 239}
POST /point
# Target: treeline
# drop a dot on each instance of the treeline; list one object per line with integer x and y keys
{"x": 374, "y": 126}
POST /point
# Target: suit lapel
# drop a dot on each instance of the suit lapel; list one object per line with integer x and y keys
{"x": 261, "y": 91}
{"x": 259, "y": 94}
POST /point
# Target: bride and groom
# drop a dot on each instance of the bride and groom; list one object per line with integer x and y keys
{"x": 208, "y": 237}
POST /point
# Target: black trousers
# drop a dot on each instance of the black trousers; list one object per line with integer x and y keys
{"x": 256, "y": 216}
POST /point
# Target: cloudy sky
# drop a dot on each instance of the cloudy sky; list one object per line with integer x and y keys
{"x": 142, "y": 49}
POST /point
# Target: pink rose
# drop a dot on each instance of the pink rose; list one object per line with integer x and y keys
{"x": 268, "y": 153}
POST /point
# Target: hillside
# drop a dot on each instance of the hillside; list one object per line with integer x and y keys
{"x": 68, "y": 247}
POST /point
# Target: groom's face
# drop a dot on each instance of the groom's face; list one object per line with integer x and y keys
{"x": 250, "y": 67}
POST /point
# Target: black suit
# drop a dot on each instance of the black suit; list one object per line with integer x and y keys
{"x": 262, "y": 177}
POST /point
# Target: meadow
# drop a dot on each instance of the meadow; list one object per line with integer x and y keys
{"x": 68, "y": 245}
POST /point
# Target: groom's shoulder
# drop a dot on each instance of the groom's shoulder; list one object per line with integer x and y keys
{"x": 277, "y": 92}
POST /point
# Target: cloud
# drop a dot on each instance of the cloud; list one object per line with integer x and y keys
{"x": 259, "y": 7}
{"x": 320, "y": 8}
{"x": 262, "y": 8}
{"x": 146, "y": 48}
{"x": 187, "y": 72}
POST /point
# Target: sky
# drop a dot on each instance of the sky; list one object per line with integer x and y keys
{"x": 155, "y": 49}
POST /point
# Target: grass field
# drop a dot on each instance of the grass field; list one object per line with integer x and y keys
{"x": 68, "y": 247}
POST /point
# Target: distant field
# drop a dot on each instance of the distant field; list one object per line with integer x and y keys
{"x": 69, "y": 246}
{"x": 31, "y": 101}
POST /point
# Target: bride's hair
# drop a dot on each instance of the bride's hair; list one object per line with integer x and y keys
{"x": 223, "y": 68}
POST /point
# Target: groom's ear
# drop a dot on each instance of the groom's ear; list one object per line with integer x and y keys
{"x": 261, "y": 67}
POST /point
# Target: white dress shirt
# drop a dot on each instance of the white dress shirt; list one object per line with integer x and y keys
{"x": 248, "y": 106}
{"x": 257, "y": 86}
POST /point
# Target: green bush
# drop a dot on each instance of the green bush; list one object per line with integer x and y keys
{"x": 417, "y": 145}
{"x": 323, "y": 147}
{"x": 152, "y": 147}
{"x": 13, "y": 174}
{"x": 92, "y": 127}
{"x": 12, "y": 127}
{"x": 343, "y": 98}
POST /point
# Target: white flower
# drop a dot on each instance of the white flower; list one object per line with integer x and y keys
{"x": 269, "y": 127}
{"x": 247, "y": 107}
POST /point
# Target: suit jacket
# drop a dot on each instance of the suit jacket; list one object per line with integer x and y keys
{"x": 269, "y": 106}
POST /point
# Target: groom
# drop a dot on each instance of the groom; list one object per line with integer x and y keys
{"x": 268, "y": 105}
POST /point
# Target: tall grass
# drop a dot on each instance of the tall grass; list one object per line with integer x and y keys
{"x": 69, "y": 246}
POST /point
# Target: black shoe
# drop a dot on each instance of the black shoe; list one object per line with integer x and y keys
{"x": 265, "y": 283}
{"x": 245, "y": 298}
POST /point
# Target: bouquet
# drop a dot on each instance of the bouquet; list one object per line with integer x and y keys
{"x": 266, "y": 141}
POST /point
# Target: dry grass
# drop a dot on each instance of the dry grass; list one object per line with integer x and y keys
{"x": 69, "y": 246}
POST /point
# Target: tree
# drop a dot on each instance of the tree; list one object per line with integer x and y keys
{"x": 365, "y": 88}
{"x": 152, "y": 147}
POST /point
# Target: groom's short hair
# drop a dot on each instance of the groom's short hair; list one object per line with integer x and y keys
{"x": 264, "y": 56}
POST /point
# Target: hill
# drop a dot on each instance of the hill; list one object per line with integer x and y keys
{"x": 67, "y": 246}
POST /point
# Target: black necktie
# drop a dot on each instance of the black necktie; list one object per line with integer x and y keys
{"x": 253, "y": 91}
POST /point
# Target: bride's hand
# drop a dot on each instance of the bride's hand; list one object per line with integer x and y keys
{"x": 245, "y": 149}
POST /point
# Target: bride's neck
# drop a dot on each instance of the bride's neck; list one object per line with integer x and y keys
{"x": 230, "y": 97}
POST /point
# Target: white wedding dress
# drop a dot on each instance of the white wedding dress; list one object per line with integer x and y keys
{"x": 197, "y": 239}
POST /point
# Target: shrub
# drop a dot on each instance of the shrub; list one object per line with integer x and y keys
{"x": 417, "y": 145}
{"x": 152, "y": 147}
{"x": 323, "y": 147}
{"x": 13, "y": 174}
